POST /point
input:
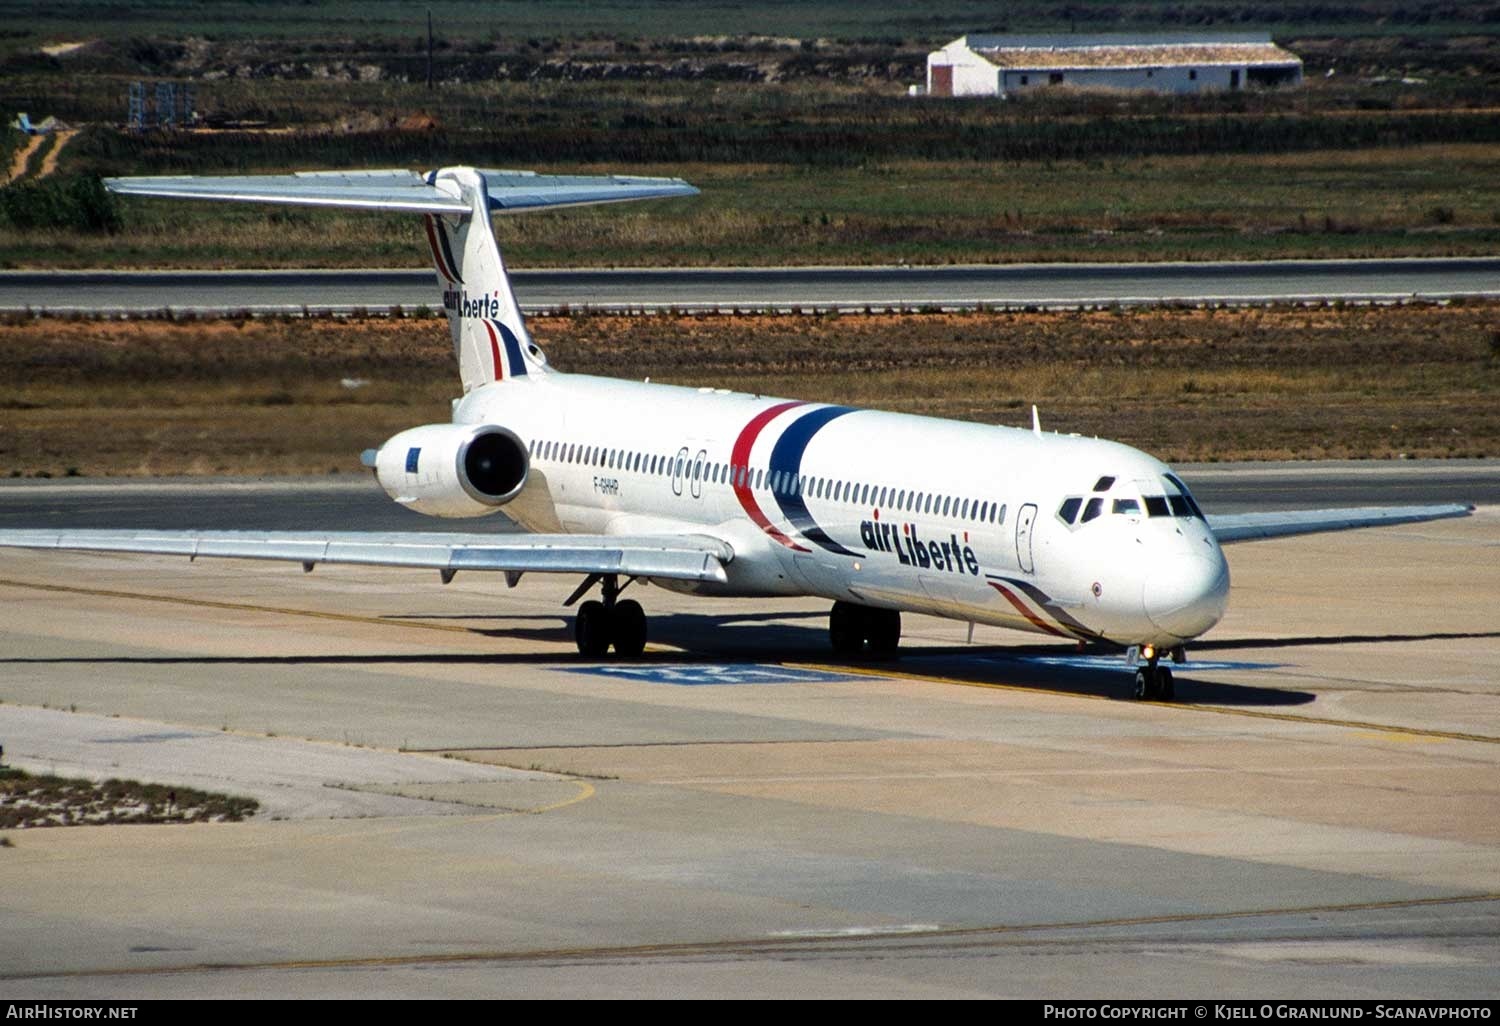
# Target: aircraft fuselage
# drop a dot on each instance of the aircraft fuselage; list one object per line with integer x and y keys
{"x": 888, "y": 510}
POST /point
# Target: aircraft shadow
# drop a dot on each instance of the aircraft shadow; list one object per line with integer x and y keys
{"x": 768, "y": 638}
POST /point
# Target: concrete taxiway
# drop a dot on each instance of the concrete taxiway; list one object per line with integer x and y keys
{"x": 454, "y": 804}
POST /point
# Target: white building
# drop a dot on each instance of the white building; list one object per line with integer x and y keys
{"x": 1173, "y": 63}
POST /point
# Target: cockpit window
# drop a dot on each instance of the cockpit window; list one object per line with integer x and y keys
{"x": 1184, "y": 505}
{"x": 1104, "y": 484}
{"x": 1093, "y": 509}
{"x": 1156, "y": 506}
{"x": 1128, "y": 506}
{"x": 1069, "y": 509}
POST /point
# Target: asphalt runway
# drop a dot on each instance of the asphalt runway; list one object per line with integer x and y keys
{"x": 807, "y": 288}
{"x": 455, "y": 805}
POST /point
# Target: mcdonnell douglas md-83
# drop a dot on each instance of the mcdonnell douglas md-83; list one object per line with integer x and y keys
{"x": 713, "y": 492}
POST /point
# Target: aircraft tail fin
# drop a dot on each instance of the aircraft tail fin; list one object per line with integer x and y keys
{"x": 489, "y": 333}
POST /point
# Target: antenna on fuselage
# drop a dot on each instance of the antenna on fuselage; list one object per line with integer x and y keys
{"x": 1036, "y": 422}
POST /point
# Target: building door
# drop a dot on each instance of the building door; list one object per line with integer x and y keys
{"x": 1234, "y": 79}
{"x": 942, "y": 80}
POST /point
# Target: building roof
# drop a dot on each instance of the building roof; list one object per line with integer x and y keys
{"x": 1064, "y": 52}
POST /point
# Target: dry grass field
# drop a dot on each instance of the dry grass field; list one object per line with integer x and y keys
{"x": 273, "y": 396}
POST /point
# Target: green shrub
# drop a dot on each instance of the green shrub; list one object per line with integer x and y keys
{"x": 78, "y": 203}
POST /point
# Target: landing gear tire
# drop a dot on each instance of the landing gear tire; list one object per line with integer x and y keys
{"x": 591, "y": 629}
{"x": 853, "y": 627}
{"x": 1165, "y": 689}
{"x": 1154, "y": 683}
{"x": 628, "y": 628}
{"x": 846, "y": 628}
{"x": 1142, "y": 689}
{"x": 883, "y": 632}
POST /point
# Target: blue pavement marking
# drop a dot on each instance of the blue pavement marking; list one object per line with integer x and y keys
{"x": 700, "y": 675}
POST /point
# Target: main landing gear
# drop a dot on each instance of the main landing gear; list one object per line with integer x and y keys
{"x": 851, "y": 627}
{"x": 1153, "y": 682}
{"x": 600, "y": 625}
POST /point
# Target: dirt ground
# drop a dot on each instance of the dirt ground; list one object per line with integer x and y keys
{"x": 265, "y": 396}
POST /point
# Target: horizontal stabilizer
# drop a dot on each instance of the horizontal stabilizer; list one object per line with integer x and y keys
{"x": 1237, "y": 527}
{"x": 684, "y": 558}
{"x": 403, "y": 191}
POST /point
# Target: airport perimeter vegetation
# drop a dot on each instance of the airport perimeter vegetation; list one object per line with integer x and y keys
{"x": 806, "y": 147}
{"x": 304, "y": 395}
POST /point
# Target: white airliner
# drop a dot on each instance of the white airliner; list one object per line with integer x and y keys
{"x": 713, "y": 492}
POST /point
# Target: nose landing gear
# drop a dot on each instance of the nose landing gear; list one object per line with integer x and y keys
{"x": 1153, "y": 682}
{"x": 600, "y": 625}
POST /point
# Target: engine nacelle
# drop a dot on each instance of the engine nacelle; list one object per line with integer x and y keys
{"x": 453, "y": 470}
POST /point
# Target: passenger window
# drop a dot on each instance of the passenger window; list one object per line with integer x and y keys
{"x": 1129, "y": 506}
{"x": 1002, "y": 513}
{"x": 1093, "y": 509}
{"x": 1068, "y": 510}
{"x": 1156, "y": 506}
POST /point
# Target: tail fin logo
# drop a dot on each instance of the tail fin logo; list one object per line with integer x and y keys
{"x": 462, "y": 303}
{"x": 503, "y": 337}
{"x": 442, "y": 253}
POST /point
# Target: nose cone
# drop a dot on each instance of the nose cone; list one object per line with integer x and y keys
{"x": 1186, "y": 595}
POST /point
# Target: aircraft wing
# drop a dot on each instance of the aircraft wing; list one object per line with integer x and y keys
{"x": 403, "y": 191}
{"x": 1238, "y": 527}
{"x": 671, "y": 557}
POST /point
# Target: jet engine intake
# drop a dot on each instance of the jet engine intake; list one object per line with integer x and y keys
{"x": 453, "y": 470}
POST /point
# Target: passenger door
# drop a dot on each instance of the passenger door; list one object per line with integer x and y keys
{"x": 1025, "y": 520}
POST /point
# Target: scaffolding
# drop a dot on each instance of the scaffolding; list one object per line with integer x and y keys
{"x": 166, "y": 105}
{"x": 174, "y": 106}
{"x": 136, "y": 119}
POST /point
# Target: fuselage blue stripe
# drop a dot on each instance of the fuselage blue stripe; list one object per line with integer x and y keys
{"x": 786, "y": 457}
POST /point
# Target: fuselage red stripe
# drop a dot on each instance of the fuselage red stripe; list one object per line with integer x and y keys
{"x": 739, "y": 462}
{"x": 1021, "y": 607}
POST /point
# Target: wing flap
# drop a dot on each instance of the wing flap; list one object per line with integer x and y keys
{"x": 1238, "y": 527}
{"x": 686, "y": 558}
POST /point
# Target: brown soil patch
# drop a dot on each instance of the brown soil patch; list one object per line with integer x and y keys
{"x": 298, "y": 396}
{"x": 49, "y": 162}
{"x": 22, "y": 157}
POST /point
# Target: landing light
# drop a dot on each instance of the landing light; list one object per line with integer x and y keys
{"x": 1148, "y": 651}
